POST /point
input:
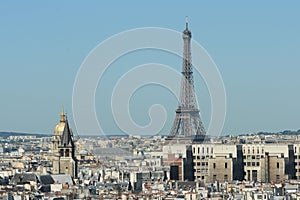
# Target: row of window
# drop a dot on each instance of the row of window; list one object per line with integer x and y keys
{"x": 203, "y": 150}
{"x": 202, "y": 163}
{"x": 248, "y": 164}
{"x": 252, "y": 164}
{"x": 253, "y": 157}
{"x": 202, "y": 157}
{"x": 258, "y": 150}
{"x": 257, "y": 164}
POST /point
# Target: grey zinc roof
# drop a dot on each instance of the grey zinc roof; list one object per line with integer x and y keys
{"x": 22, "y": 178}
{"x": 63, "y": 179}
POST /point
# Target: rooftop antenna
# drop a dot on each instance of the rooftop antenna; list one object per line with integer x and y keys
{"x": 186, "y": 22}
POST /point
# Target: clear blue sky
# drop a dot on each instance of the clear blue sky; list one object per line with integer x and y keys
{"x": 255, "y": 45}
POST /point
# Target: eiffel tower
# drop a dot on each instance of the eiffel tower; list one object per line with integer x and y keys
{"x": 187, "y": 124}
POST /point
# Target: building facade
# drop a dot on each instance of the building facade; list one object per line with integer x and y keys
{"x": 250, "y": 162}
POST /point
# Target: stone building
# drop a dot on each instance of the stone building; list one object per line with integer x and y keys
{"x": 214, "y": 162}
{"x": 266, "y": 162}
{"x": 251, "y": 162}
{"x": 64, "y": 159}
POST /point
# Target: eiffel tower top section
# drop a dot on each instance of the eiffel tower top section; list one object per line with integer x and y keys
{"x": 187, "y": 124}
{"x": 187, "y": 97}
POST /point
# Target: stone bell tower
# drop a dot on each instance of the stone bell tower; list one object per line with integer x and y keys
{"x": 64, "y": 149}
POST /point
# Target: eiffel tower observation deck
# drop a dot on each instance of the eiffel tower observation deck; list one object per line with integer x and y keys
{"x": 187, "y": 126}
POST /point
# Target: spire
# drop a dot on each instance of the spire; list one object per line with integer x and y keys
{"x": 62, "y": 115}
{"x": 186, "y": 22}
{"x": 66, "y": 138}
{"x": 187, "y": 32}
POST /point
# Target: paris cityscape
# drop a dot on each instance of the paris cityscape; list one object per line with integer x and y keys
{"x": 225, "y": 135}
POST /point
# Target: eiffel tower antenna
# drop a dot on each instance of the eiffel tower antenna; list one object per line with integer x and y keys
{"x": 187, "y": 124}
{"x": 186, "y": 22}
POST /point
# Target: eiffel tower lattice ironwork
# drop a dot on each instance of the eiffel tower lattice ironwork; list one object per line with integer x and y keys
{"x": 187, "y": 123}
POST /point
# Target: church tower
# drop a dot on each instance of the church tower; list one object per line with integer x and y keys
{"x": 64, "y": 148}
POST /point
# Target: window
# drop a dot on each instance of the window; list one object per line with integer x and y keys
{"x": 214, "y": 177}
{"x": 253, "y": 164}
{"x": 254, "y": 175}
{"x": 214, "y": 165}
{"x": 257, "y": 164}
{"x": 67, "y": 152}
{"x": 202, "y": 149}
{"x": 207, "y": 150}
{"x": 278, "y": 165}
{"x": 226, "y": 165}
{"x": 211, "y": 150}
{"x": 258, "y": 150}
{"x": 225, "y": 177}
{"x": 248, "y": 175}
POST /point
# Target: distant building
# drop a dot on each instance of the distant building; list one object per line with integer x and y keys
{"x": 251, "y": 162}
{"x": 65, "y": 161}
